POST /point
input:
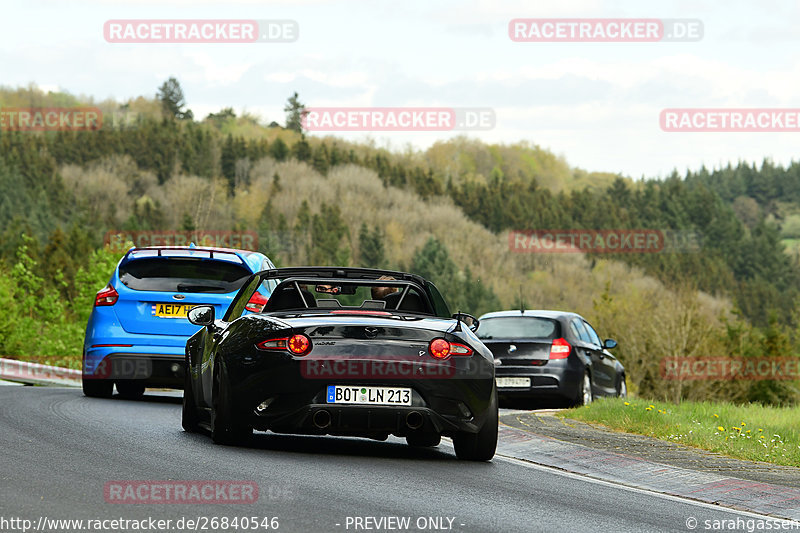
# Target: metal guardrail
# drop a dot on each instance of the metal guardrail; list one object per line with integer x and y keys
{"x": 38, "y": 374}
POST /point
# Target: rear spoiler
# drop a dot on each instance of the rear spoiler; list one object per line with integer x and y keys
{"x": 190, "y": 249}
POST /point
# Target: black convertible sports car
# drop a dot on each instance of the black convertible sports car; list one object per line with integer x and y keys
{"x": 342, "y": 351}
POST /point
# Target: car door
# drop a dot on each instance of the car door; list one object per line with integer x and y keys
{"x": 591, "y": 353}
{"x": 604, "y": 364}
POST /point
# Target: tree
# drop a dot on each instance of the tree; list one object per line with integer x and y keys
{"x": 295, "y": 113}
{"x": 172, "y": 101}
{"x": 370, "y": 246}
{"x": 278, "y": 150}
{"x": 301, "y": 150}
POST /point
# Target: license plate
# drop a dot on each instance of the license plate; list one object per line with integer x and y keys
{"x": 171, "y": 310}
{"x": 369, "y": 395}
{"x": 513, "y": 382}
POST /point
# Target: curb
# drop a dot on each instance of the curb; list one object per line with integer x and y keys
{"x": 37, "y": 374}
{"x": 763, "y": 498}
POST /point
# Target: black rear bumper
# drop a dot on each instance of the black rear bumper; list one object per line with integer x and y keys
{"x": 365, "y": 420}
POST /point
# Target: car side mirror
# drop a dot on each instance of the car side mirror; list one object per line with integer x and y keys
{"x": 202, "y": 315}
{"x": 608, "y": 344}
{"x": 471, "y": 322}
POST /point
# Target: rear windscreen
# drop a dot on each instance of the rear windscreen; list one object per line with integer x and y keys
{"x": 518, "y": 327}
{"x": 178, "y": 274}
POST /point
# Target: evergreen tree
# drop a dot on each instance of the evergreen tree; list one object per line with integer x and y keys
{"x": 295, "y": 112}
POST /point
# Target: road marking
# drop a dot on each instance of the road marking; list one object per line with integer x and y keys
{"x": 637, "y": 490}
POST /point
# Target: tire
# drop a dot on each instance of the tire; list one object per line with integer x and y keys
{"x": 224, "y": 430}
{"x": 622, "y": 387}
{"x": 130, "y": 389}
{"x": 482, "y": 445}
{"x": 97, "y": 388}
{"x": 189, "y": 418}
{"x": 585, "y": 395}
{"x": 423, "y": 440}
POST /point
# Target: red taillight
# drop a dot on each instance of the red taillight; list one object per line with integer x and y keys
{"x": 299, "y": 344}
{"x": 256, "y": 303}
{"x": 106, "y": 296}
{"x": 460, "y": 349}
{"x": 439, "y": 348}
{"x": 272, "y": 344}
{"x": 560, "y": 349}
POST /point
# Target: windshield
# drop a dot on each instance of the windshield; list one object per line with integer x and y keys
{"x": 343, "y": 296}
{"x": 518, "y": 328}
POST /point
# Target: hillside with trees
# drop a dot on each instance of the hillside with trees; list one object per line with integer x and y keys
{"x": 444, "y": 212}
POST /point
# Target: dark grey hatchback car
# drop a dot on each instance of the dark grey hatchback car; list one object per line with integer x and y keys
{"x": 552, "y": 356}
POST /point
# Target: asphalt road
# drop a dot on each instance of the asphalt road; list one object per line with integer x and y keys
{"x": 59, "y": 449}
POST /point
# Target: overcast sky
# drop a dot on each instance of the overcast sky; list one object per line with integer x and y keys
{"x": 597, "y": 104}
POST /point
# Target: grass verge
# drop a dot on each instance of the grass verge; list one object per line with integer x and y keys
{"x": 753, "y": 432}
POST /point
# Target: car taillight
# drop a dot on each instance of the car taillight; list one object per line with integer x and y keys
{"x": 560, "y": 349}
{"x": 272, "y": 344}
{"x": 106, "y": 296}
{"x": 460, "y": 349}
{"x": 439, "y": 348}
{"x": 256, "y": 303}
{"x": 297, "y": 344}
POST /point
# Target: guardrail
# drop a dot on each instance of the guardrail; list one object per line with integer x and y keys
{"x": 37, "y": 374}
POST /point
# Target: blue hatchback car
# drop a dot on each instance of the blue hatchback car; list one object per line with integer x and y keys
{"x": 136, "y": 335}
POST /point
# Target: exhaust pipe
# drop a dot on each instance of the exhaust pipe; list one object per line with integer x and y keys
{"x": 321, "y": 419}
{"x": 414, "y": 420}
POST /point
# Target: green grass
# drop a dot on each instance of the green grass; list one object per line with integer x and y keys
{"x": 753, "y": 432}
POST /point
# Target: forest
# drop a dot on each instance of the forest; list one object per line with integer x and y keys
{"x": 444, "y": 212}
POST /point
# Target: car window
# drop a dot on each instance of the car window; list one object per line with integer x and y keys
{"x": 183, "y": 274}
{"x": 582, "y": 333}
{"x": 592, "y": 334}
{"x": 517, "y": 327}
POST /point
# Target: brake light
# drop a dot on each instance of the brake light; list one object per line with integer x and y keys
{"x": 299, "y": 344}
{"x": 256, "y": 303}
{"x": 439, "y": 348}
{"x": 560, "y": 349}
{"x": 360, "y": 312}
{"x": 106, "y": 296}
{"x": 460, "y": 349}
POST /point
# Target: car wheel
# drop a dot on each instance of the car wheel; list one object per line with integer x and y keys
{"x": 585, "y": 396}
{"x": 189, "y": 419}
{"x": 97, "y": 388}
{"x": 130, "y": 389}
{"x": 424, "y": 440}
{"x": 482, "y": 445}
{"x": 223, "y": 428}
{"x": 622, "y": 387}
